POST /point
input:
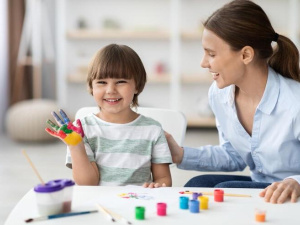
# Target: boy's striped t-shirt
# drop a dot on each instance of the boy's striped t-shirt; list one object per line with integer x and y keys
{"x": 124, "y": 152}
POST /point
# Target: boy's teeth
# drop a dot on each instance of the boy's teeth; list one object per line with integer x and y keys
{"x": 112, "y": 100}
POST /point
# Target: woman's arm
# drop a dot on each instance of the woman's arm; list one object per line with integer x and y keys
{"x": 161, "y": 176}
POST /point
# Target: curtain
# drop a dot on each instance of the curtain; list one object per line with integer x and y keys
{"x": 20, "y": 78}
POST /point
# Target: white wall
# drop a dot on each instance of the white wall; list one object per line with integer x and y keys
{"x": 3, "y": 63}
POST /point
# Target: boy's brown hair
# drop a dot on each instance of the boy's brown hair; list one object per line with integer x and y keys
{"x": 117, "y": 61}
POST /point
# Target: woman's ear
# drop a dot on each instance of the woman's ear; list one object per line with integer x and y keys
{"x": 247, "y": 54}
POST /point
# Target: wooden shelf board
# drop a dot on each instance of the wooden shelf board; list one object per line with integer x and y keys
{"x": 191, "y": 36}
{"x": 76, "y": 78}
{"x": 81, "y": 34}
{"x": 197, "y": 78}
{"x": 117, "y": 34}
{"x": 197, "y": 121}
{"x": 155, "y": 78}
{"x": 159, "y": 78}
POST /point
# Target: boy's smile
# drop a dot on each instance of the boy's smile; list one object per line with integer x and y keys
{"x": 112, "y": 101}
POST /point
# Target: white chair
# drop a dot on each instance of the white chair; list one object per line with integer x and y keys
{"x": 172, "y": 121}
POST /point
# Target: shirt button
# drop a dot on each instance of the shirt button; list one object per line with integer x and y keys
{"x": 260, "y": 170}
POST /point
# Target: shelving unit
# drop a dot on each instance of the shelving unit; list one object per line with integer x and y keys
{"x": 87, "y": 34}
{"x": 161, "y": 31}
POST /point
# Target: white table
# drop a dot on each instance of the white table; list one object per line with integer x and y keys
{"x": 234, "y": 210}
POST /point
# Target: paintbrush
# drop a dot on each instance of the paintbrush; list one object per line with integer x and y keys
{"x": 118, "y": 217}
{"x": 55, "y": 216}
{"x": 105, "y": 212}
{"x": 33, "y": 167}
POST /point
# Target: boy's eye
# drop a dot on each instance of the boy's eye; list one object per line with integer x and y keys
{"x": 121, "y": 81}
{"x": 101, "y": 82}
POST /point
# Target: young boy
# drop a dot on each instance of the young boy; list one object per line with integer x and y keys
{"x": 117, "y": 146}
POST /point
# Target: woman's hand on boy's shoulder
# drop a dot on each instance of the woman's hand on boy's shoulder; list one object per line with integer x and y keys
{"x": 153, "y": 185}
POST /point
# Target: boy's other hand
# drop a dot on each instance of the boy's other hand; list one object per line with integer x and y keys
{"x": 153, "y": 185}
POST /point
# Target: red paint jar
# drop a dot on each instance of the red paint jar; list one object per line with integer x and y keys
{"x": 218, "y": 195}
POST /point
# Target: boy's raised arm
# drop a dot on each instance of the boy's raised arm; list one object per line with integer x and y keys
{"x": 84, "y": 171}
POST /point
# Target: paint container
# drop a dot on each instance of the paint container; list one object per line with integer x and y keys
{"x": 195, "y": 195}
{"x": 218, "y": 195}
{"x": 194, "y": 206}
{"x": 260, "y": 215}
{"x": 161, "y": 209}
{"x": 68, "y": 193}
{"x": 140, "y": 213}
{"x": 183, "y": 202}
{"x": 203, "y": 202}
{"x": 49, "y": 198}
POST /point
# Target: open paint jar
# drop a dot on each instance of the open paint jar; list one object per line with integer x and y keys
{"x": 49, "y": 198}
{"x": 54, "y": 197}
{"x": 68, "y": 193}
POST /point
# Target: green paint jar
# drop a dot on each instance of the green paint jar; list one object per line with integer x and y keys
{"x": 140, "y": 213}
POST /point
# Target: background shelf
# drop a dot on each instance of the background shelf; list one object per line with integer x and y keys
{"x": 155, "y": 78}
{"x": 85, "y": 34}
{"x": 165, "y": 33}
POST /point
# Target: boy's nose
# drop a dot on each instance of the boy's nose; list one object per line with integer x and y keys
{"x": 111, "y": 89}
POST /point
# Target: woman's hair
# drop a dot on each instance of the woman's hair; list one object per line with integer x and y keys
{"x": 243, "y": 23}
{"x": 117, "y": 61}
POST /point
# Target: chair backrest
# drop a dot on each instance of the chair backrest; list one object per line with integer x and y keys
{"x": 172, "y": 121}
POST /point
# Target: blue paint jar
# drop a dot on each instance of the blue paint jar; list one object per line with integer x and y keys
{"x": 183, "y": 202}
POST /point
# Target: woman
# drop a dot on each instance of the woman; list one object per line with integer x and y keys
{"x": 255, "y": 99}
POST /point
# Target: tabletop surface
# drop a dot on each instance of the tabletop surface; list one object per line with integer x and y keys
{"x": 123, "y": 200}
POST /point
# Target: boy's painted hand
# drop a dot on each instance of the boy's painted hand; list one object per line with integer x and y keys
{"x": 66, "y": 131}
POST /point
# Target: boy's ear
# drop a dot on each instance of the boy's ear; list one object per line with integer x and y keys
{"x": 247, "y": 54}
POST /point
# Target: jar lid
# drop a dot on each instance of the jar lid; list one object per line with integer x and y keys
{"x": 48, "y": 187}
{"x": 64, "y": 182}
{"x": 68, "y": 183}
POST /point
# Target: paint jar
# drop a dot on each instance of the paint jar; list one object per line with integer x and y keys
{"x": 49, "y": 198}
{"x": 140, "y": 213}
{"x": 68, "y": 193}
{"x": 260, "y": 215}
{"x": 194, "y": 206}
{"x": 218, "y": 195}
{"x": 195, "y": 195}
{"x": 161, "y": 209}
{"x": 203, "y": 202}
{"x": 183, "y": 202}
